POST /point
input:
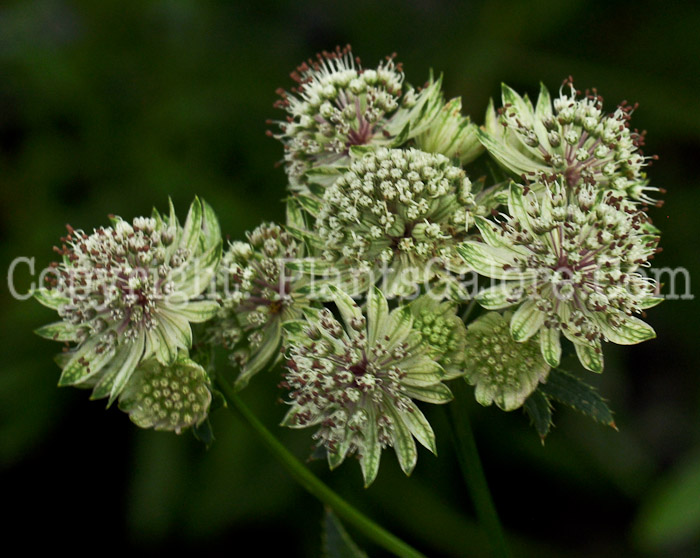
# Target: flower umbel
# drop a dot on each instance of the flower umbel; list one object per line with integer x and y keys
{"x": 356, "y": 381}
{"x": 504, "y": 371}
{"x": 570, "y": 261}
{"x": 170, "y": 398}
{"x": 571, "y": 136}
{"x": 128, "y": 292}
{"x": 338, "y": 104}
{"x": 400, "y": 210}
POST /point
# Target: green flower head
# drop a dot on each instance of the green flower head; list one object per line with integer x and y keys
{"x": 258, "y": 294}
{"x": 443, "y": 331}
{"x": 398, "y": 213}
{"x": 338, "y": 105}
{"x": 356, "y": 381}
{"x": 170, "y": 398}
{"x": 570, "y": 136}
{"x": 570, "y": 261}
{"x": 128, "y": 292}
{"x": 503, "y": 371}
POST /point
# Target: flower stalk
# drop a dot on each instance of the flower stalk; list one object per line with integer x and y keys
{"x": 311, "y": 483}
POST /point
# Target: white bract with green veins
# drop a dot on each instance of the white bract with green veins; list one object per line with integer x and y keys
{"x": 570, "y": 260}
{"x": 128, "y": 292}
{"x": 356, "y": 381}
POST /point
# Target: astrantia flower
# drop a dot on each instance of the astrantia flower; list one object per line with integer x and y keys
{"x": 571, "y": 136}
{"x": 570, "y": 259}
{"x": 451, "y": 134}
{"x": 129, "y": 292}
{"x": 443, "y": 331}
{"x": 170, "y": 398}
{"x": 503, "y": 371}
{"x": 397, "y": 210}
{"x": 356, "y": 381}
{"x": 337, "y": 105}
{"x": 258, "y": 293}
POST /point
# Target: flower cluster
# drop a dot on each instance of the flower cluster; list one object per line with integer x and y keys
{"x": 399, "y": 210}
{"x": 258, "y": 294}
{"x": 570, "y": 261}
{"x": 128, "y": 292}
{"x": 571, "y": 136}
{"x": 357, "y": 380}
{"x": 337, "y": 104}
{"x": 380, "y": 208}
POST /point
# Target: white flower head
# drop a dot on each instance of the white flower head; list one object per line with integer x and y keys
{"x": 129, "y": 292}
{"x": 356, "y": 380}
{"x": 337, "y": 105}
{"x": 396, "y": 210}
{"x": 569, "y": 135}
{"x": 570, "y": 260}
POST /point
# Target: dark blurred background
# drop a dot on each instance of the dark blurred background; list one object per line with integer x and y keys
{"x": 111, "y": 107}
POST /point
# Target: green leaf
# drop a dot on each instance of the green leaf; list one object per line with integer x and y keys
{"x": 670, "y": 515}
{"x": 539, "y": 410}
{"x": 568, "y": 389}
{"x": 347, "y": 306}
{"x": 336, "y": 541}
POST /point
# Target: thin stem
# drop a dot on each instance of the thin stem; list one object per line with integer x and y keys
{"x": 473, "y": 472}
{"x": 312, "y": 484}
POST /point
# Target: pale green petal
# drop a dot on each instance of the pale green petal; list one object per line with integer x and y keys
{"x": 122, "y": 377}
{"x": 437, "y": 393}
{"x": 590, "y": 356}
{"x": 550, "y": 345}
{"x": 489, "y": 261}
{"x": 404, "y": 444}
{"x": 264, "y": 355}
{"x": 50, "y": 298}
{"x": 508, "y": 156}
{"x": 349, "y": 310}
{"x": 377, "y": 314}
{"x": 371, "y": 449}
{"x": 195, "y": 311}
{"x": 419, "y": 426}
{"x": 526, "y": 321}
{"x": 630, "y": 331}
{"x": 59, "y": 331}
{"x": 85, "y": 362}
{"x": 501, "y": 296}
{"x": 192, "y": 228}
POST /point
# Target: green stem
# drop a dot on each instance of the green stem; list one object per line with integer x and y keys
{"x": 312, "y": 484}
{"x": 473, "y": 472}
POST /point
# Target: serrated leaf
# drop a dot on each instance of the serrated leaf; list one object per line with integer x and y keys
{"x": 336, "y": 541}
{"x": 566, "y": 388}
{"x": 539, "y": 410}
